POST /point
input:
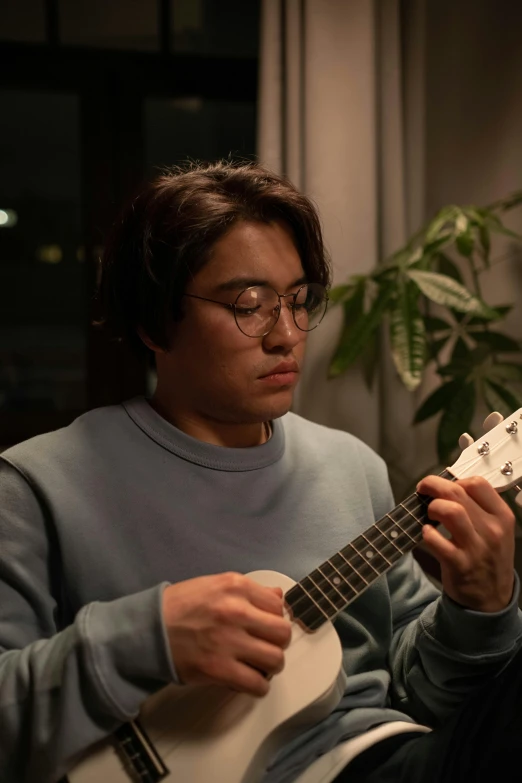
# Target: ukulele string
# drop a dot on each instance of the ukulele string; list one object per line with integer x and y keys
{"x": 476, "y": 459}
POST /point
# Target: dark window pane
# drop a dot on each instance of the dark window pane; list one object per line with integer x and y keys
{"x": 22, "y": 20}
{"x": 181, "y": 128}
{"x": 42, "y": 291}
{"x": 110, "y": 24}
{"x": 227, "y": 28}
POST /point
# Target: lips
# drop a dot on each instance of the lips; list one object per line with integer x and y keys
{"x": 284, "y": 367}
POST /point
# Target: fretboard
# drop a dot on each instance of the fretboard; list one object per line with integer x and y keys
{"x": 338, "y": 581}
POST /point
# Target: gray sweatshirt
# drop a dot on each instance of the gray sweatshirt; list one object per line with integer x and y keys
{"x": 95, "y": 520}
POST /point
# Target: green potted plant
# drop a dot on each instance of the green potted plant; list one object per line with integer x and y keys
{"x": 428, "y": 296}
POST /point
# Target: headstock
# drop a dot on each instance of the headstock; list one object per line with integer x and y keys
{"x": 497, "y": 457}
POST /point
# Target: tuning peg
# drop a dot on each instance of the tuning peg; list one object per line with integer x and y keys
{"x": 465, "y": 440}
{"x": 492, "y": 420}
{"x": 518, "y": 497}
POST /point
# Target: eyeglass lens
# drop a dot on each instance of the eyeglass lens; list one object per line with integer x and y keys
{"x": 257, "y": 308}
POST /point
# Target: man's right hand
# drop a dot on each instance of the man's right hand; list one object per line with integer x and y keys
{"x": 226, "y": 630}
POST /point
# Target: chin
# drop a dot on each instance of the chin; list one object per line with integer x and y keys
{"x": 278, "y": 408}
{"x": 263, "y": 407}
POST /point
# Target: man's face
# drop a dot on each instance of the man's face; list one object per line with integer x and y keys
{"x": 212, "y": 369}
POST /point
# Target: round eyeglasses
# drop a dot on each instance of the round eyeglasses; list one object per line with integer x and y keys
{"x": 257, "y": 308}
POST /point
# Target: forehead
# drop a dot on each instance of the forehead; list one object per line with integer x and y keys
{"x": 260, "y": 252}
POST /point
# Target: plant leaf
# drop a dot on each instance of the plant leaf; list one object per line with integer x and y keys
{"x": 391, "y": 265}
{"x": 475, "y": 215}
{"x": 467, "y": 363}
{"x": 464, "y": 243}
{"x": 445, "y": 266}
{"x": 369, "y": 359}
{"x": 433, "y": 324}
{"x": 436, "y": 346}
{"x": 497, "y": 226}
{"x": 358, "y": 328}
{"x": 440, "y": 221}
{"x": 456, "y": 419}
{"x": 501, "y": 398}
{"x": 507, "y": 371}
{"x": 501, "y": 311}
{"x": 353, "y": 310}
{"x": 408, "y": 336}
{"x": 497, "y": 341}
{"x": 460, "y": 351}
{"x": 454, "y": 369}
{"x": 435, "y": 244}
{"x": 437, "y": 400}
{"x": 412, "y": 258}
{"x": 448, "y": 292}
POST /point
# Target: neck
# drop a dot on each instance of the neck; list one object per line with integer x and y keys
{"x": 338, "y": 581}
{"x": 228, "y": 435}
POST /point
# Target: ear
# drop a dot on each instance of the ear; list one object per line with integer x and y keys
{"x": 148, "y": 342}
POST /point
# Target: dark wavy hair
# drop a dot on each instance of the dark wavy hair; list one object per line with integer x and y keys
{"x": 164, "y": 236}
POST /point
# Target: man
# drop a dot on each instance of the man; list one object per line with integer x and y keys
{"x": 126, "y": 536}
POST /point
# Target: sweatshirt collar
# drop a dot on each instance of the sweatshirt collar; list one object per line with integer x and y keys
{"x": 206, "y": 454}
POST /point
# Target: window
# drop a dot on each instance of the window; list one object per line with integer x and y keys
{"x": 23, "y": 21}
{"x": 223, "y": 28}
{"x": 94, "y": 96}
{"x": 42, "y": 291}
{"x": 178, "y": 129}
{"x": 119, "y": 24}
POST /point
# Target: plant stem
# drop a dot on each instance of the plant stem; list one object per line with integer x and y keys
{"x": 475, "y": 276}
{"x": 499, "y": 260}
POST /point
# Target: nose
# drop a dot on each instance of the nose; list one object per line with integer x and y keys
{"x": 285, "y": 333}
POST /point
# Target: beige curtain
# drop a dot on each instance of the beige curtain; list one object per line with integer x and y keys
{"x": 383, "y": 111}
{"x": 334, "y": 118}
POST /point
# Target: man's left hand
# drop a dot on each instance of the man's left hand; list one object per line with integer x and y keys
{"x": 477, "y": 562}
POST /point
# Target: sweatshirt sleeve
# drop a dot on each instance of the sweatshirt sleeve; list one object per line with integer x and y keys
{"x": 441, "y": 651}
{"x": 63, "y": 689}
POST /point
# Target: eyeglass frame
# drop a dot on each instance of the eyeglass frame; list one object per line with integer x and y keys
{"x": 232, "y": 306}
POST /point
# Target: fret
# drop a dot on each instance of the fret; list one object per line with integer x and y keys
{"x": 415, "y": 507}
{"x": 370, "y": 554}
{"x": 359, "y": 566}
{"x": 422, "y": 500}
{"x": 386, "y": 546}
{"x": 375, "y": 550}
{"x": 316, "y": 610}
{"x": 362, "y": 565}
{"x": 355, "y": 581}
{"x": 301, "y": 605}
{"x": 339, "y": 581}
{"x": 329, "y": 588}
{"x": 320, "y": 600}
{"x": 416, "y": 526}
{"x": 401, "y": 540}
{"x": 401, "y": 527}
{"x": 348, "y": 555}
{"x": 319, "y": 590}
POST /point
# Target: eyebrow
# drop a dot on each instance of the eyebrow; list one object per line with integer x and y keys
{"x": 240, "y": 283}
